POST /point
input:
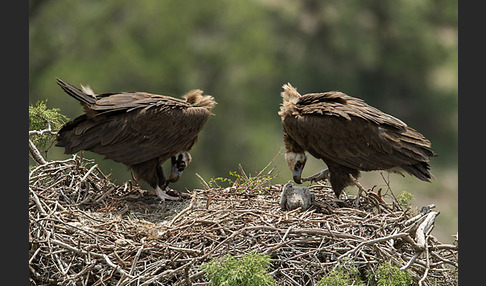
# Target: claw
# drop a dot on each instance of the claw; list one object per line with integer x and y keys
{"x": 164, "y": 196}
{"x": 183, "y": 195}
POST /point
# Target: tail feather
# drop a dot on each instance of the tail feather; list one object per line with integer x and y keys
{"x": 419, "y": 170}
{"x": 76, "y": 93}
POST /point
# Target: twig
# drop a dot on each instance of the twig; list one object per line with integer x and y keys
{"x": 189, "y": 207}
{"x": 242, "y": 172}
{"x": 372, "y": 241}
{"x": 36, "y": 155}
{"x": 424, "y": 228}
{"x": 87, "y": 173}
{"x": 37, "y": 202}
{"x": 269, "y": 163}
{"x": 135, "y": 260}
{"x": 411, "y": 261}
{"x": 427, "y": 265}
{"x": 104, "y": 256}
{"x": 41, "y": 132}
{"x": 203, "y": 182}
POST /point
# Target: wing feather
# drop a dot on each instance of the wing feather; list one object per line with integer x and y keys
{"x": 351, "y": 136}
{"x": 138, "y": 137}
{"x": 135, "y": 127}
{"x": 349, "y": 132}
{"x": 339, "y": 104}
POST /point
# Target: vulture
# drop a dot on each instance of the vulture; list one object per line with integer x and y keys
{"x": 138, "y": 129}
{"x": 349, "y": 136}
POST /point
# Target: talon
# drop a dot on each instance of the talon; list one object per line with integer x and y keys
{"x": 175, "y": 193}
{"x": 164, "y": 196}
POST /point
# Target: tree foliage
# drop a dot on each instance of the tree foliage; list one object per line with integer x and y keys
{"x": 343, "y": 277}
{"x": 384, "y": 275}
{"x": 389, "y": 275}
{"x": 44, "y": 119}
{"x": 249, "y": 270}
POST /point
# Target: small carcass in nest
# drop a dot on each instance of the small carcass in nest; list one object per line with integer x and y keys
{"x": 293, "y": 197}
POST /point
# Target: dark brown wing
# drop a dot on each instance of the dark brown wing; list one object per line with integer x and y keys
{"x": 128, "y": 101}
{"x": 339, "y": 104}
{"x": 135, "y": 127}
{"x": 349, "y": 132}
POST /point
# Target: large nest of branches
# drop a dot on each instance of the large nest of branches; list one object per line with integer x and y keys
{"x": 85, "y": 230}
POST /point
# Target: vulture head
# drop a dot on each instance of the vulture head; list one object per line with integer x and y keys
{"x": 296, "y": 163}
{"x": 179, "y": 162}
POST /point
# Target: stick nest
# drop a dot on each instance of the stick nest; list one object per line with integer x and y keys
{"x": 86, "y": 230}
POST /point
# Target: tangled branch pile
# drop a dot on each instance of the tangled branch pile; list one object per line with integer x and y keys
{"x": 85, "y": 230}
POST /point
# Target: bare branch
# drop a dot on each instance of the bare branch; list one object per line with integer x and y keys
{"x": 36, "y": 155}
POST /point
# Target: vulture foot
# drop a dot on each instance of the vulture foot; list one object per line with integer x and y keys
{"x": 164, "y": 196}
{"x": 376, "y": 198}
{"x": 176, "y": 193}
{"x": 321, "y": 176}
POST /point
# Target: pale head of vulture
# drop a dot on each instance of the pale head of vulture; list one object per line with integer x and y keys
{"x": 296, "y": 163}
{"x": 138, "y": 129}
{"x": 349, "y": 136}
{"x": 179, "y": 163}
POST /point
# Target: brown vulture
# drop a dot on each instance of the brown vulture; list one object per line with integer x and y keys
{"x": 349, "y": 136}
{"x": 138, "y": 129}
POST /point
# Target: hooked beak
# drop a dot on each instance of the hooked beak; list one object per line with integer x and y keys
{"x": 174, "y": 174}
{"x": 178, "y": 165}
{"x": 297, "y": 176}
{"x": 296, "y": 163}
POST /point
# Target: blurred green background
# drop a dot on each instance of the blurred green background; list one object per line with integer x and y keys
{"x": 400, "y": 56}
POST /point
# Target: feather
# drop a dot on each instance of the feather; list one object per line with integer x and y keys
{"x": 76, "y": 93}
{"x": 195, "y": 98}
{"x": 138, "y": 129}
{"x": 290, "y": 94}
{"x": 351, "y": 136}
{"x": 88, "y": 90}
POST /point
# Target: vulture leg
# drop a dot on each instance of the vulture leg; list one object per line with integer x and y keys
{"x": 151, "y": 172}
{"x": 361, "y": 190}
{"x": 161, "y": 188}
{"x": 340, "y": 177}
{"x": 321, "y": 176}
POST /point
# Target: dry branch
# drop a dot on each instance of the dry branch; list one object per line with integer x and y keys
{"x": 36, "y": 155}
